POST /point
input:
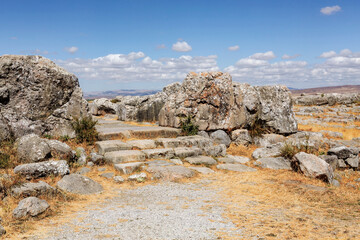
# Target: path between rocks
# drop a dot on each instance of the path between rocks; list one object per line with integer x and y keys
{"x": 164, "y": 210}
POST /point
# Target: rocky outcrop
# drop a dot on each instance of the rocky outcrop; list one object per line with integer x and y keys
{"x": 37, "y": 96}
{"x": 327, "y": 99}
{"x": 218, "y": 103}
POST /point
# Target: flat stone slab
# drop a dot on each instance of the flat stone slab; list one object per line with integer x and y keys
{"x": 234, "y": 159}
{"x": 125, "y": 156}
{"x": 201, "y": 160}
{"x": 142, "y": 144}
{"x": 32, "y": 189}
{"x": 111, "y": 146}
{"x": 75, "y": 183}
{"x": 128, "y": 168}
{"x": 185, "y": 141}
{"x": 159, "y": 153}
{"x": 184, "y": 152}
{"x": 274, "y": 163}
{"x": 203, "y": 170}
{"x": 114, "y": 129}
{"x": 159, "y": 163}
{"x": 170, "y": 173}
{"x": 235, "y": 167}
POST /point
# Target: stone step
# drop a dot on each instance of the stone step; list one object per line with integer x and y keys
{"x": 124, "y": 156}
{"x": 183, "y": 152}
{"x": 185, "y": 141}
{"x": 201, "y": 160}
{"x": 159, "y": 153}
{"x": 111, "y": 132}
{"x": 142, "y": 144}
{"x": 111, "y": 146}
{"x": 128, "y": 168}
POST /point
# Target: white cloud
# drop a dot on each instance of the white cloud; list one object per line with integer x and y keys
{"x": 263, "y": 56}
{"x": 72, "y": 49}
{"x": 181, "y": 46}
{"x": 234, "y": 48}
{"x": 330, "y": 10}
{"x": 288, "y": 57}
{"x": 137, "y": 67}
{"x": 328, "y": 54}
{"x": 39, "y": 52}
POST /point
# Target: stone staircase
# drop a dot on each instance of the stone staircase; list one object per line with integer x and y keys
{"x": 157, "y": 150}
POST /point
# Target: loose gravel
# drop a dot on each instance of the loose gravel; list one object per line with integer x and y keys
{"x": 159, "y": 211}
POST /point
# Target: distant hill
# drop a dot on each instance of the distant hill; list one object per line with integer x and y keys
{"x": 336, "y": 89}
{"x": 113, "y": 94}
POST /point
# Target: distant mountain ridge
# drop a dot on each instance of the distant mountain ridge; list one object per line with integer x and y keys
{"x": 334, "y": 89}
{"x": 114, "y": 93}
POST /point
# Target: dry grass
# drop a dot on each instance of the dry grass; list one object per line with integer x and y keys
{"x": 241, "y": 150}
{"x": 348, "y": 133}
{"x": 267, "y": 204}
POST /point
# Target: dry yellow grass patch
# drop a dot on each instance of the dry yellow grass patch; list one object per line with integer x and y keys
{"x": 241, "y": 150}
{"x": 275, "y": 204}
{"x": 348, "y": 133}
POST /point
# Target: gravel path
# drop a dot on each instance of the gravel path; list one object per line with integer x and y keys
{"x": 159, "y": 211}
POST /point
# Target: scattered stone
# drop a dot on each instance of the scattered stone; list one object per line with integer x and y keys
{"x": 335, "y": 183}
{"x": 60, "y": 149}
{"x": 31, "y": 206}
{"x": 201, "y": 160}
{"x": 234, "y": 159}
{"x": 101, "y": 169}
{"x": 118, "y": 179}
{"x": 274, "y": 163}
{"x": 75, "y": 183}
{"x": 81, "y": 156}
{"x": 235, "y": 167}
{"x": 2, "y": 230}
{"x": 43, "y": 169}
{"x": 96, "y": 158}
{"x": 90, "y": 164}
{"x": 154, "y": 163}
{"x": 128, "y": 168}
{"x": 203, "y": 134}
{"x": 176, "y": 161}
{"x": 141, "y": 177}
{"x": 333, "y": 134}
{"x": 332, "y": 160}
{"x": 108, "y": 175}
{"x": 203, "y": 170}
{"x": 83, "y": 171}
{"x": 170, "y": 173}
{"x": 312, "y": 166}
{"x": 142, "y": 144}
{"x": 353, "y": 162}
{"x": 125, "y": 156}
{"x": 342, "y": 152}
{"x": 32, "y": 189}
{"x": 269, "y": 139}
{"x": 32, "y": 148}
{"x": 221, "y": 137}
{"x": 215, "y": 151}
{"x": 241, "y": 136}
{"x": 268, "y": 151}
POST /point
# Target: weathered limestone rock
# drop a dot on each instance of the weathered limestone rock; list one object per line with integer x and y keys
{"x": 241, "y": 136}
{"x": 124, "y": 156}
{"x": 32, "y": 148}
{"x": 170, "y": 173}
{"x": 274, "y": 163}
{"x": 31, "y": 206}
{"x": 37, "y": 96}
{"x": 43, "y": 169}
{"x": 220, "y": 137}
{"x": 234, "y": 159}
{"x": 217, "y": 103}
{"x": 32, "y": 189}
{"x": 327, "y": 99}
{"x": 128, "y": 168}
{"x": 203, "y": 170}
{"x": 201, "y": 160}
{"x": 102, "y": 106}
{"x": 312, "y": 166}
{"x": 76, "y": 183}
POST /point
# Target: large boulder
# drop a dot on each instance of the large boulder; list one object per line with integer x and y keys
{"x": 37, "y": 96}
{"x": 312, "y": 166}
{"x": 31, "y": 206}
{"x": 218, "y": 103}
{"x": 43, "y": 169}
{"x": 78, "y": 184}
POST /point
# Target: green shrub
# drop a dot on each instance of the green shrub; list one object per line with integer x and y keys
{"x": 4, "y": 160}
{"x": 64, "y": 138}
{"x": 257, "y": 128}
{"x": 85, "y": 130}
{"x": 114, "y": 100}
{"x": 288, "y": 151}
{"x": 48, "y": 136}
{"x": 188, "y": 127}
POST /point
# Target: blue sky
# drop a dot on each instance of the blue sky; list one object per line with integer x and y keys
{"x": 145, "y": 44}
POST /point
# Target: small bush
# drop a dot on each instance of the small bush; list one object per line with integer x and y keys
{"x": 4, "y": 160}
{"x": 188, "y": 127}
{"x": 64, "y": 138}
{"x": 257, "y": 129}
{"x": 114, "y": 100}
{"x": 85, "y": 130}
{"x": 288, "y": 151}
